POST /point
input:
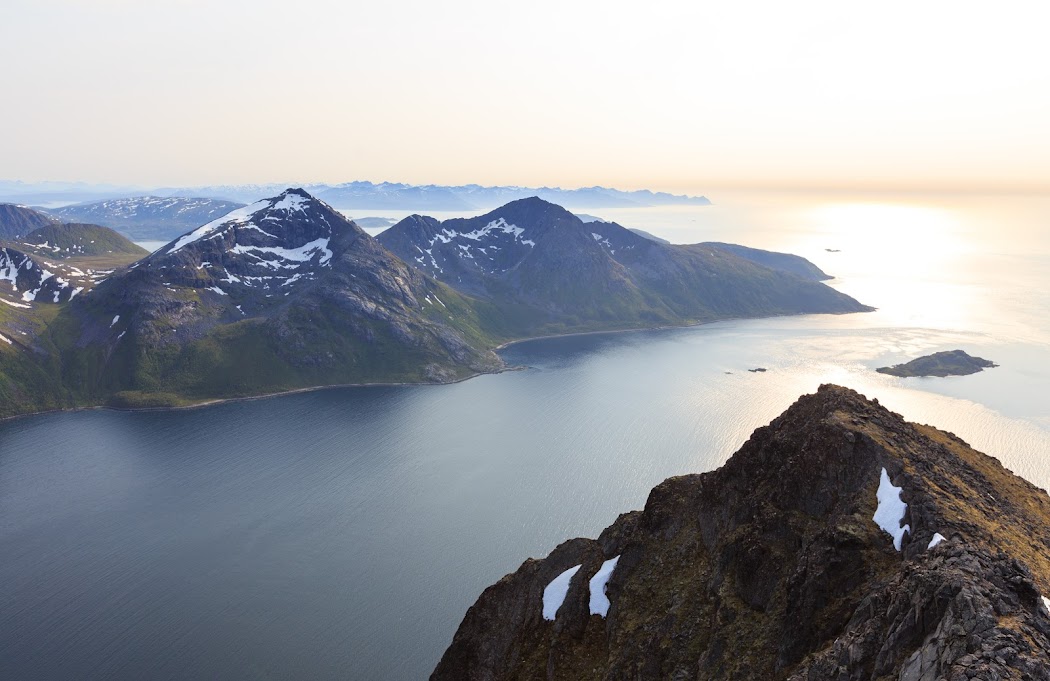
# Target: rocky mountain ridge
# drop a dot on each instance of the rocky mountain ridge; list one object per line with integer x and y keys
{"x": 840, "y": 542}
{"x": 547, "y": 270}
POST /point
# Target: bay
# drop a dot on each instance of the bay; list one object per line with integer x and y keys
{"x": 343, "y": 533}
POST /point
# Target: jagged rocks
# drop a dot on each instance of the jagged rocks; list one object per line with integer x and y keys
{"x": 772, "y": 567}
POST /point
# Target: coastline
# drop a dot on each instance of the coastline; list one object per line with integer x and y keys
{"x": 502, "y": 346}
{"x": 666, "y": 327}
{"x": 249, "y": 398}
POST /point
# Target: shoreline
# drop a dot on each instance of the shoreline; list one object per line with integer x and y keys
{"x": 502, "y": 346}
{"x": 667, "y": 327}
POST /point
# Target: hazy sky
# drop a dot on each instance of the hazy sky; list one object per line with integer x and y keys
{"x": 671, "y": 95}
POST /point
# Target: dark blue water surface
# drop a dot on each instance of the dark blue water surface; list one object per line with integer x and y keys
{"x": 344, "y": 533}
{"x": 332, "y": 534}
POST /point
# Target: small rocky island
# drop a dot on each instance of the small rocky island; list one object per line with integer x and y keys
{"x": 947, "y": 363}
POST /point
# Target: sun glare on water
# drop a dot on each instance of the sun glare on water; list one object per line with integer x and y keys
{"x": 905, "y": 238}
{"x": 908, "y": 260}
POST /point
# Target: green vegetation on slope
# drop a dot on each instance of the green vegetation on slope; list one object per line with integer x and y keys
{"x": 29, "y": 371}
{"x": 76, "y": 239}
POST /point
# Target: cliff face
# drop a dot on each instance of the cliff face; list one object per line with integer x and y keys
{"x": 784, "y": 564}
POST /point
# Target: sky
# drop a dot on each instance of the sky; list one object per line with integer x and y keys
{"x": 679, "y": 96}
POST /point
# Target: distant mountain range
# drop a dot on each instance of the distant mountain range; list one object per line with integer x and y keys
{"x": 350, "y": 195}
{"x": 147, "y": 218}
{"x": 287, "y": 293}
{"x": 161, "y": 214}
{"x": 400, "y": 196}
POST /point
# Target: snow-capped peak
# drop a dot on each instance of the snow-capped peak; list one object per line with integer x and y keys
{"x": 499, "y": 225}
{"x": 289, "y": 201}
{"x": 269, "y": 245}
{"x": 235, "y": 217}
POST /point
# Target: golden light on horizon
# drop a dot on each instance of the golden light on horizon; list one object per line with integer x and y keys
{"x": 677, "y": 96}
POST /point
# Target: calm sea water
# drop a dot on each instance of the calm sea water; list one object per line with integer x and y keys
{"x": 343, "y": 533}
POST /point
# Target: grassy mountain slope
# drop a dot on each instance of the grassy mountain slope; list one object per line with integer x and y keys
{"x": 79, "y": 239}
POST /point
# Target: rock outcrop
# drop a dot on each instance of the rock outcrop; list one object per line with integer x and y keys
{"x": 774, "y": 567}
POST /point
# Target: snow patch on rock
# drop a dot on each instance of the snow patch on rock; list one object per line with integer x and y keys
{"x": 891, "y": 510}
{"x": 239, "y": 216}
{"x": 555, "y": 592}
{"x": 298, "y": 255}
{"x": 599, "y": 601}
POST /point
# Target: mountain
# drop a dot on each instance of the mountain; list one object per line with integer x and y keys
{"x": 840, "y": 542}
{"x": 347, "y": 195}
{"x": 640, "y": 232}
{"x": 282, "y": 294}
{"x": 147, "y": 218}
{"x": 34, "y": 287}
{"x": 374, "y": 222}
{"x": 399, "y": 196}
{"x": 286, "y": 293}
{"x": 546, "y": 271}
{"x": 237, "y": 193}
{"x": 23, "y": 279}
{"x": 784, "y": 262}
{"x": 39, "y": 275}
{"x": 16, "y": 220}
{"x": 54, "y": 263}
{"x": 647, "y": 235}
{"x": 585, "y": 197}
{"x": 389, "y": 195}
{"x": 70, "y": 240}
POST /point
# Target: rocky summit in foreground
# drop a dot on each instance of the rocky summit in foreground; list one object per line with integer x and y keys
{"x": 840, "y": 542}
